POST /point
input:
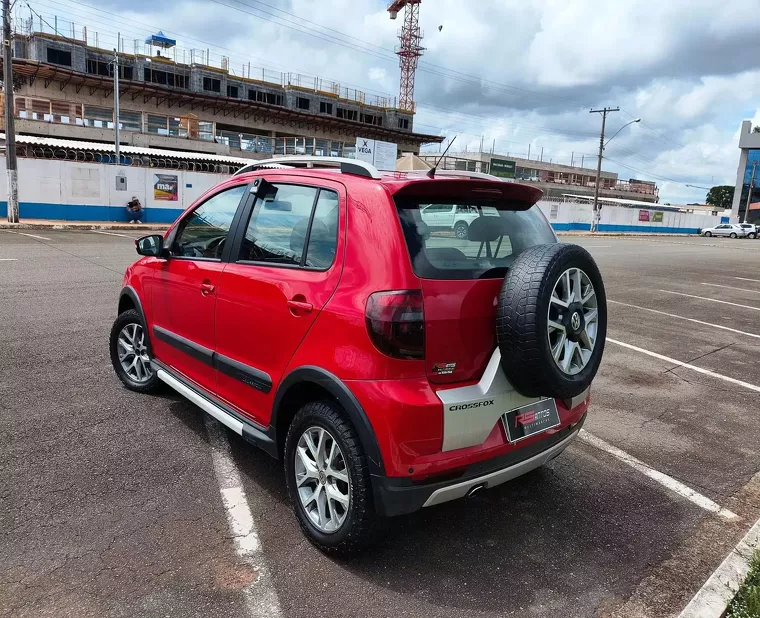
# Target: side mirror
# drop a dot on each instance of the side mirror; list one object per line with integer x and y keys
{"x": 152, "y": 246}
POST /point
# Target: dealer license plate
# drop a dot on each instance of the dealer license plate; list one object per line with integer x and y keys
{"x": 529, "y": 420}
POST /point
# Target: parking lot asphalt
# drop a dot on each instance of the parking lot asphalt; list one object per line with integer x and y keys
{"x": 110, "y": 505}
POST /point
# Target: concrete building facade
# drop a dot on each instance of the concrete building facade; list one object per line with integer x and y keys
{"x": 749, "y": 157}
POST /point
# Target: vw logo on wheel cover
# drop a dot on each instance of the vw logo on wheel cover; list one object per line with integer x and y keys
{"x": 575, "y": 321}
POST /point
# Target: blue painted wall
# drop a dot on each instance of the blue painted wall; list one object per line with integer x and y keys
{"x": 83, "y": 212}
{"x": 608, "y": 227}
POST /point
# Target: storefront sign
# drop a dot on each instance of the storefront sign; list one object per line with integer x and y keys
{"x": 382, "y": 155}
{"x": 643, "y": 215}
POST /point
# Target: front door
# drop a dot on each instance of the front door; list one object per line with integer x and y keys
{"x": 286, "y": 268}
{"x": 185, "y": 288}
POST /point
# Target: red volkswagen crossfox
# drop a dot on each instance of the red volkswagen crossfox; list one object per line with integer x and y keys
{"x": 399, "y": 340}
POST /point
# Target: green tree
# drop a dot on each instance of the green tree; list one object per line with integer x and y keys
{"x": 721, "y": 196}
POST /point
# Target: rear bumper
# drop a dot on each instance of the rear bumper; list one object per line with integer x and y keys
{"x": 398, "y": 496}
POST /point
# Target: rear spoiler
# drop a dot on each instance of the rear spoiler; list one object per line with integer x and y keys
{"x": 521, "y": 197}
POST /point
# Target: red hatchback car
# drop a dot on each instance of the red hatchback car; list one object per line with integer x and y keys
{"x": 390, "y": 365}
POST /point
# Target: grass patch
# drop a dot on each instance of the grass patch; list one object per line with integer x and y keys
{"x": 746, "y": 603}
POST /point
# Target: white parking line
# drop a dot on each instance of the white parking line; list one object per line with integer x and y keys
{"x": 663, "y": 479}
{"x": 713, "y": 598}
{"x": 29, "y": 235}
{"x": 8, "y": 259}
{"x": 260, "y": 595}
{"x": 745, "y": 279}
{"x": 678, "y": 364}
{"x": 713, "y": 300}
{"x": 731, "y": 287}
{"x": 680, "y": 317}
{"x": 112, "y": 234}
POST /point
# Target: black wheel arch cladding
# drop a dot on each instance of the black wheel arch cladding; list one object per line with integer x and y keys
{"x": 522, "y": 321}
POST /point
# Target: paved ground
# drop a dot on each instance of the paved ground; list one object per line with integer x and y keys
{"x": 109, "y": 504}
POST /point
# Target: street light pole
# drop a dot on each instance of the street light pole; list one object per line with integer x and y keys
{"x": 751, "y": 188}
{"x": 11, "y": 163}
{"x": 595, "y": 211}
{"x": 116, "y": 102}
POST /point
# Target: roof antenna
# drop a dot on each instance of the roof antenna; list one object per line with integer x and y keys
{"x": 431, "y": 171}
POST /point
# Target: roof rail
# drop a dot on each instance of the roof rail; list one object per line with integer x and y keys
{"x": 347, "y": 166}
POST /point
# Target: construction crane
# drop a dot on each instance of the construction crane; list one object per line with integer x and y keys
{"x": 410, "y": 50}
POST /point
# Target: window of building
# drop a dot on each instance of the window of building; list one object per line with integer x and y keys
{"x": 206, "y": 131}
{"x": 58, "y": 56}
{"x": 203, "y": 233}
{"x": 403, "y": 123}
{"x": 325, "y": 108}
{"x": 175, "y": 80}
{"x": 157, "y": 124}
{"x": 130, "y": 121}
{"x": 232, "y": 91}
{"x": 279, "y": 226}
{"x": 105, "y": 69}
{"x": 372, "y": 119}
{"x": 347, "y": 114}
{"x": 212, "y": 84}
{"x": 302, "y": 103}
{"x": 101, "y": 117}
{"x": 264, "y": 97}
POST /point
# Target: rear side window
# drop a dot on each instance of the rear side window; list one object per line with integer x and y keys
{"x": 481, "y": 241}
{"x": 293, "y": 225}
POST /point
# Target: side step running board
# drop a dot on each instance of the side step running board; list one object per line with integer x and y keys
{"x": 244, "y": 429}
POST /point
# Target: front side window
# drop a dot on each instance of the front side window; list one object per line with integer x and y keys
{"x": 203, "y": 233}
{"x": 289, "y": 219}
{"x": 492, "y": 234}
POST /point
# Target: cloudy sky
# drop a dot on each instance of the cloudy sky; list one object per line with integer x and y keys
{"x": 517, "y": 72}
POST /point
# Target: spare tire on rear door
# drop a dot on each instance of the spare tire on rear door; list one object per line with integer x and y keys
{"x": 551, "y": 321}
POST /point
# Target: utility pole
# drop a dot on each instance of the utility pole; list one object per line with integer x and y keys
{"x": 595, "y": 212}
{"x": 116, "y": 102}
{"x": 11, "y": 164}
{"x": 751, "y": 189}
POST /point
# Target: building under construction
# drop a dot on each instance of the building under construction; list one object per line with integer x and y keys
{"x": 174, "y": 99}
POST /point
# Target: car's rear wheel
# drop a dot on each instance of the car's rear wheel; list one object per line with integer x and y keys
{"x": 752, "y": 235}
{"x": 460, "y": 230}
{"x": 130, "y": 353}
{"x": 328, "y": 480}
{"x": 708, "y": 233}
{"x": 552, "y": 321}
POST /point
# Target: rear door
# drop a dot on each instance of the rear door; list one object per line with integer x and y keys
{"x": 461, "y": 279}
{"x": 185, "y": 287}
{"x": 286, "y": 263}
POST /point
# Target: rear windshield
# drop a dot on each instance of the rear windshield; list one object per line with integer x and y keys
{"x": 476, "y": 240}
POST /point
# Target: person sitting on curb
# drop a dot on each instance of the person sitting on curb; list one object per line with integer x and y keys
{"x": 134, "y": 210}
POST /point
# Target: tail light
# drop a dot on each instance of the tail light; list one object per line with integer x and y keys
{"x": 396, "y": 323}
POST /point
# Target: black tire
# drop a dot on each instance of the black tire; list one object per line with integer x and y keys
{"x": 523, "y": 316}
{"x": 460, "y": 230}
{"x": 362, "y": 524}
{"x": 153, "y": 384}
{"x": 752, "y": 235}
{"x": 708, "y": 234}
{"x": 732, "y": 235}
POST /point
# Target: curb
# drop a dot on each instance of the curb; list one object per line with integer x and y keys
{"x": 96, "y": 227}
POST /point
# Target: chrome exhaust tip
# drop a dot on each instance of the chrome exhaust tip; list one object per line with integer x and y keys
{"x": 475, "y": 489}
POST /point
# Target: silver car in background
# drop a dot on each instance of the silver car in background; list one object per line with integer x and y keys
{"x": 732, "y": 230}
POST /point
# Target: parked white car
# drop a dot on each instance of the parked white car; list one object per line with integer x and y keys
{"x": 455, "y": 217}
{"x": 753, "y": 231}
{"x": 732, "y": 230}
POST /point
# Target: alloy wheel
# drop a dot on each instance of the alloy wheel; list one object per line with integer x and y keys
{"x": 322, "y": 480}
{"x": 573, "y": 321}
{"x": 133, "y": 353}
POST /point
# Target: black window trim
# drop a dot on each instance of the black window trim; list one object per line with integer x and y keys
{"x": 245, "y": 219}
{"x": 231, "y": 233}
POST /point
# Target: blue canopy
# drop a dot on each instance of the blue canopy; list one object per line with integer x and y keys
{"x": 160, "y": 40}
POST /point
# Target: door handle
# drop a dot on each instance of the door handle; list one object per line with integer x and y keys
{"x": 207, "y": 288}
{"x": 300, "y": 306}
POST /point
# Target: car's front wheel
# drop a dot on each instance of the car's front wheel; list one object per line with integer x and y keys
{"x": 732, "y": 235}
{"x": 708, "y": 234}
{"x": 130, "y": 353}
{"x": 328, "y": 480}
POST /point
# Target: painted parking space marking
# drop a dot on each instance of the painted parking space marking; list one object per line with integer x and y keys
{"x": 29, "y": 235}
{"x": 260, "y": 595}
{"x": 731, "y": 287}
{"x": 716, "y": 593}
{"x": 681, "y": 317}
{"x": 663, "y": 479}
{"x": 112, "y": 234}
{"x": 679, "y": 364}
{"x": 8, "y": 259}
{"x": 745, "y": 279}
{"x": 712, "y": 300}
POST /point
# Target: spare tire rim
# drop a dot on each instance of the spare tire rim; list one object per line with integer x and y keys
{"x": 573, "y": 321}
{"x": 322, "y": 479}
